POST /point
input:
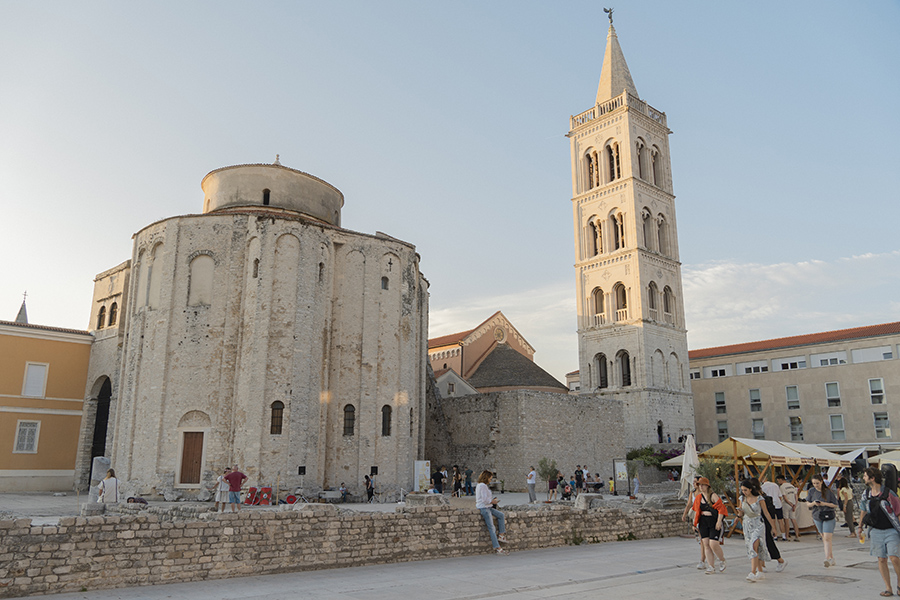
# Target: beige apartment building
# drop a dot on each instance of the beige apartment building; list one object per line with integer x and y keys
{"x": 838, "y": 389}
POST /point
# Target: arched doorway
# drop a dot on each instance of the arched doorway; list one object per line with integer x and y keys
{"x": 101, "y": 420}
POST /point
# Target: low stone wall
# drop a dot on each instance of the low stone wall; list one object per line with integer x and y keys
{"x": 85, "y": 553}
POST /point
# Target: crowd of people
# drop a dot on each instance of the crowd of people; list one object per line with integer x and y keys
{"x": 768, "y": 511}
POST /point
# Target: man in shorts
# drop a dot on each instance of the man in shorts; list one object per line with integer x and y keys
{"x": 235, "y": 479}
{"x": 788, "y": 506}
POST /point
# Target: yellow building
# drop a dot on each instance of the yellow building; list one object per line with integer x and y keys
{"x": 43, "y": 372}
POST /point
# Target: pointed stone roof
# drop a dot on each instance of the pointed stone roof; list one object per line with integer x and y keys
{"x": 506, "y": 368}
{"x": 22, "y": 317}
{"x": 614, "y": 76}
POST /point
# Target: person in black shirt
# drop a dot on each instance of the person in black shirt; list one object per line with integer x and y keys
{"x": 437, "y": 478}
{"x": 884, "y": 541}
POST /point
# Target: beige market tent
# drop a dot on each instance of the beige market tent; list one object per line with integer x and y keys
{"x": 823, "y": 457}
{"x": 892, "y": 457}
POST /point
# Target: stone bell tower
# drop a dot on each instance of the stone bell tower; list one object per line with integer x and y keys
{"x": 632, "y": 339}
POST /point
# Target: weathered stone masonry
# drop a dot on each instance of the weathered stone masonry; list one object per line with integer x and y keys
{"x": 117, "y": 551}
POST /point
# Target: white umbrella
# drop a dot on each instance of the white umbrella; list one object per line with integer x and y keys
{"x": 851, "y": 456}
{"x": 688, "y": 466}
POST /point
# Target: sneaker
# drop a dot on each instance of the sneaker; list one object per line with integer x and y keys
{"x": 501, "y": 551}
{"x": 501, "y": 538}
{"x": 829, "y": 562}
{"x": 710, "y": 569}
{"x": 722, "y": 567}
{"x": 760, "y": 576}
{"x": 701, "y": 565}
{"x": 762, "y": 570}
{"x": 752, "y": 577}
{"x": 780, "y": 567}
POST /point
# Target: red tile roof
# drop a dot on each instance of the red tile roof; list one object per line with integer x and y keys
{"x": 440, "y": 372}
{"x": 447, "y": 340}
{"x": 799, "y": 340}
{"x": 45, "y": 327}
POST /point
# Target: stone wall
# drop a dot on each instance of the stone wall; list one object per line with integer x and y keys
{"x": 86, "y": 553}
{"x": 507, "y": 432}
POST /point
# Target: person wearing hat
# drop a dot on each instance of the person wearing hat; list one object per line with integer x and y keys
{"x": 709, "y": 511}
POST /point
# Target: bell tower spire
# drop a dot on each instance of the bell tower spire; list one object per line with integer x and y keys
{"x": 632, "y": 341}
{"x": 614, "y": 75}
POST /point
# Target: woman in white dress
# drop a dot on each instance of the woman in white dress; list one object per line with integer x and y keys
{"x": 109, "y": 488}
{"x": 222, "y": 487}
{"x": 752, "y": 512}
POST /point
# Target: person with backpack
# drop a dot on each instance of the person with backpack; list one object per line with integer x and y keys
{"x": 879, "y": 510}
{"x": 769, "y": 489}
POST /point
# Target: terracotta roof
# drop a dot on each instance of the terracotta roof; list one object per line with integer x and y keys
{"x": 799, "y": 340}
{"x": 505, "y": 367}
{"x": 447, "y": 340}
{"x": 45, "y": 328}
{"x": 575, "y": 372}
{"x": 440, "y": 372}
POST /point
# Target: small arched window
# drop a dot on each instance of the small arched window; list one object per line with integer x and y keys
{"x": 649, "y": 229}
{"x": 101, "y": 318}
{"x": 321, "y": 272}
{"x": 652, "y": 293}
{"x": 625, "y": 368}
{"x": 602, "y": 374}
{"x": 656, "y": 166}
{"x": 277, "y": 417}
{"x": 255, "y": 268}
{"x": 266, "y": 195}
{"x": 385, "y": 283}
{"x": 411, "y": 422}
{"x": 590, "y": 170}
{"x": 386, "y": 412}
{"x": 113, "y": 314}
{"x": 617, "y": 222}
{"x": 599, "y": 306}
{"x": 349, "y": 419}
{"x": 669, "y": 305}
{"x": 662, "y": 235}
{"x": 621, "y": 302}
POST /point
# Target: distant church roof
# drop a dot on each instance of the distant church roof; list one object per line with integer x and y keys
{"x": 614, "y": 76}
{"x": 504, "y": 367}
{"x": 22, "y": 317}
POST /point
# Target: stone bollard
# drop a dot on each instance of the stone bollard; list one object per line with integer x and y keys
{"x": 586, "y": 501}
{"x": 99, "y": 467}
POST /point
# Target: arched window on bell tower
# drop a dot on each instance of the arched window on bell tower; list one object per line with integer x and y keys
{"x": 623, "y": 361}
{"x": 594, "y": 244}
{"x": 613, "y": 166}
{"x": 599, "y": 306}
{"x": 617, "y": 223}
{"x": 649, "y": 229}
{"x": 662, "y": 235}
{"x": 652, "y": 295}
{"x": 656, "y": 166}
{"x": 640, "y": 157}
{"x": 621, "y": 302}
{"x": 600, "y": 367}
{"x": 669, "y": 305}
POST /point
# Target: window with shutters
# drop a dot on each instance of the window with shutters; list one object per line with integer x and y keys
{"x": 35, "y": 383}
{"x": 27, "y": 433}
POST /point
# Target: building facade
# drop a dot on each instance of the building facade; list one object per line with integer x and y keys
{"x": 42, "y": 379}
{"x": 837, "y": 389}
{"x": 631, "y": 332}
{"x": 263, "y": 334}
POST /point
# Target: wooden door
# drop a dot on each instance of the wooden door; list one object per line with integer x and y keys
{"x": 191, "y": 456}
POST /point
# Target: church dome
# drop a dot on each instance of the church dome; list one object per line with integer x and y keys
{"x": 272, "y": 185}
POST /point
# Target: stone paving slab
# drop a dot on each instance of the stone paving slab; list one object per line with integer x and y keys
{"x": 644, "y": 569}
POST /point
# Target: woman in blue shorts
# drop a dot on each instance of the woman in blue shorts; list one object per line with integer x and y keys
{"x": 879, "y": 508}
{"x": 823, "y": 505}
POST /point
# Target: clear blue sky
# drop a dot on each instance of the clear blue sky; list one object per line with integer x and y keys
{"x": 443, "y": 125}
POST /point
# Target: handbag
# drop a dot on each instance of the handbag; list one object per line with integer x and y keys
{"x": 826, "y": 513}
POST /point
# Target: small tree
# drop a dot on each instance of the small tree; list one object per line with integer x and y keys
{"x": 547, "y": 469}
{"x": 717, "y": 471}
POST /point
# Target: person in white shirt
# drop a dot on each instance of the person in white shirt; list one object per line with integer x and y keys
{"x": 789, "y": 505}
{"x": 771, "y": 489}
{"x": 531, "y": 481}
{"x": 109, "y": 488}
{"x": 486, "y": 503}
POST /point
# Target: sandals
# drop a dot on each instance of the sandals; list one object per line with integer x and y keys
{"x": 501, "y": 538}
{"x": 886, "y": 593}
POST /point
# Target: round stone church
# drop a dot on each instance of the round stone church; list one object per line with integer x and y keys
{"x": 263, "y": 334}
